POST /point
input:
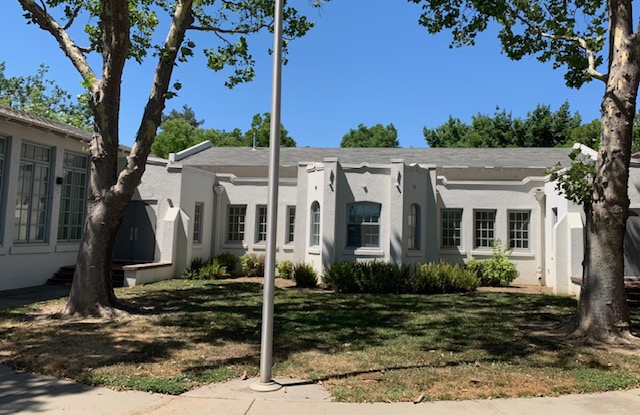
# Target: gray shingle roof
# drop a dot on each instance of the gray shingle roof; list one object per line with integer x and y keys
{"x": 441, "y": 157}
{"x": 44, "y": 123}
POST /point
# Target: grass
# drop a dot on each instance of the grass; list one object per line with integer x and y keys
{"x": 361, "y": 347}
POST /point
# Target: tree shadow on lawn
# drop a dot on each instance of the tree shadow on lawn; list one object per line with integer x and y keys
{"x": 219, "y": 313}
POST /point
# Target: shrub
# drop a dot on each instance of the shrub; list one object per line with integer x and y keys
{"x": 437, "y": 278}
{"x": 193, "y": 272}
{"x": 368, "y": 277}
{"x": 227, "y": 260}
{"x": 341, "y": 277}
{"x": 496, "y": 271}
{"x": 285, "y": 269}
{"x": 213, "y": 270}
{"x": 252, "y": 265}
{"x": 305, "y": 275}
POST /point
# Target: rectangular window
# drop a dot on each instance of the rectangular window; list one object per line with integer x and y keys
{"x": 291, "y": 222}
{"x": 261, "y": 222}
{"x": 363, "y": 229}
{"x": 73, "y": 197}
{"x": 451, "y": 227}
{"x": 519, "y": 229}
{"x": 315, "y": 224}
{"x": 484, "y": 226}
{"x": 235, "y": 223}
{"x": 32, "y": 199}
{"x": 198, "y": 210}
{"x": 414, "y": 227}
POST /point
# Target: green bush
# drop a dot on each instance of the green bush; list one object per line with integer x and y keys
{"x": 496, "y": 271}
{"x": 213, "y": 270}
{"x": 305, "y": 275}
{"x": 193, "y": 272}
{"x": 252, "y": 265}
{"x": 368, "y": 277}
{"x": 227, "y": 260}
{"x": 285, "y": 269}
{"x": 438, "y": 278}
{"x": 341, "y": 277}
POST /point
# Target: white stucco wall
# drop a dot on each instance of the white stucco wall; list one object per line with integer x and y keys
{"x": 501, "y": 196}
{"x": 30, "y": 264}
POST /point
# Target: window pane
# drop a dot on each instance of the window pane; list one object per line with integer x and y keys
{"x": 484, "y": 228}
{"x": 363, "y": 229}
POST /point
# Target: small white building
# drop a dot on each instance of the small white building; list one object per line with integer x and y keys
{"x": 348, "y": 204}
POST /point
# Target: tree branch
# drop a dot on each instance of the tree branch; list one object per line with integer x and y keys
{"x": 73, "y": 52}
{"x": 591, "y": 57}
{"x": 219, "y": 30}
{"x": 130, "y": 176}
{"x": 72, "y": 18}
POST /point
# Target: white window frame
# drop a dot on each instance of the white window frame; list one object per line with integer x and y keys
{"x": 72, "y": 216}
{"x": 261, "y": 223}
{"x": 27, "y": 228}
{"x": 291, "y": 223}
{"x": 236, "y": 220}
{"x": 198, "y": 212}
{"x": 484, "y": 228}
{"x": 363, "y": 223}
{"x": 315, "y": 224}
{"x": 451, "y": 228}
{"x": 413, "y": 221}
{"x": 518, "y": 227}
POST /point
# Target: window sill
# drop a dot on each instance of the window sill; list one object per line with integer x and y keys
{"x": 522, "y": 254}
{"x": 288, "y": 248}
{"x": 412, "y": 253}
{"x": 314, "y": 250}
{"x": 68, "y": 247}
{"x": 234, "y": 245}
{"x": 452, "y": 251}
{"x": 487, "y": 252}
{"x": 364, "y": 252}
{"x": 30, "y": 249}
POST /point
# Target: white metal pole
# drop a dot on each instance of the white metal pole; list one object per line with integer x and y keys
{"x": 266, "y": 384}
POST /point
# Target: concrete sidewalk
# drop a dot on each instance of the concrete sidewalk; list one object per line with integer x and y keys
{"x": 30, "y": 295}
{"x": 25, "y": 393}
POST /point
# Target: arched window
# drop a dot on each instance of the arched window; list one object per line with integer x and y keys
{"x": 414, "y": 227}
{"x": 363, "y": 228}
{"x": 315, "y": 224}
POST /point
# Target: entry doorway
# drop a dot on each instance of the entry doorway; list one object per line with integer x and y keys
{"x": 136, "y": 240}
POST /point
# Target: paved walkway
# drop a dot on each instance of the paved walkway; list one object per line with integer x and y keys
{"x": 25, "y": 393}
{"x": 24, "y": 296}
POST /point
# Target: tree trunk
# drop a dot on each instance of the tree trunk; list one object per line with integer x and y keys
{"x": 602, "y": 314}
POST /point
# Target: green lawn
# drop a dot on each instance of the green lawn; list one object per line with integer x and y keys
{"x": 361, "y": 347}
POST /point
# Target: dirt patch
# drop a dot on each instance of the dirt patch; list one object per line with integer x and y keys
{"x": 518, "y": 289}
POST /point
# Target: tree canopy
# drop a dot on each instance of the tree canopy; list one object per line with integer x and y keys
{"x": 178, "y": 132}
{"x": 541, "y": 128}
{"x": 376, "y": 136}
{"x": 38, "y": 95}
{"x": 116, "y": 32}
{"x": 572, "y": 34}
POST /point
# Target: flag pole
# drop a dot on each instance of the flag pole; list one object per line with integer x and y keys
{"x": 266, "y": 383}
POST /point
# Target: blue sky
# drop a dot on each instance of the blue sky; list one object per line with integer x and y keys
{"x": 366, "y": 61}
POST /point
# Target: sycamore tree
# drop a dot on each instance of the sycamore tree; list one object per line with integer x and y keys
{"x": 116, "y": 32}
{"x": 581, "y": 36}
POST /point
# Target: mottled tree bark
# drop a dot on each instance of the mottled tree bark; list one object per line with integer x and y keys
{"x": 602, "y": 313}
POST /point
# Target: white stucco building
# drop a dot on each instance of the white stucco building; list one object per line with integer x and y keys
{"x": 399, "y": 205}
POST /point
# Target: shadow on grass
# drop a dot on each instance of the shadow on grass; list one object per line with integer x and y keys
{"x": 187, "y": 313}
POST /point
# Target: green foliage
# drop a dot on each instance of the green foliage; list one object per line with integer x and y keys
{"x": 285, "y": 269}
{"x": 181, "y": 131}
{"x": 201, "y": 269}
{"x": 541, "y": 128}
{"x": 575, "y": 181}
{"x": 558, "y": 32}
{"x": 376, "y": 136}
{"x": 40, "y": 96}
{"x": 212, "y": 270}
{"x": 176, "y": 135}
{"x": 305, "y": 275}
{"x": 227, "y": 260}
{"x": 368, "y": 277}
{"x": 496, "y": 271}
{"x": 440, "y": 278}
{"x": 252, "y": 265}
